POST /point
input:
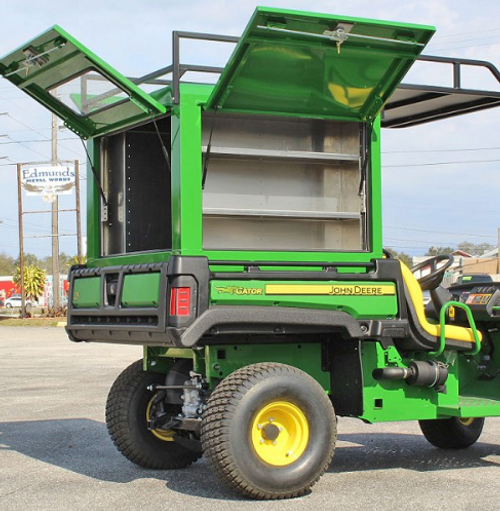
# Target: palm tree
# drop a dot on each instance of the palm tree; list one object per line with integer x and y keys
{"x": 34, "y": 281}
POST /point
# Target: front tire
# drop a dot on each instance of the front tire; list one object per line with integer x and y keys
{"x": 127, "y": 410}
{"x": 269, "y": 431}
{"x": 453, "y": 433}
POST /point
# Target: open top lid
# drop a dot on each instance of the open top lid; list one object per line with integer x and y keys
{"x": 89, "y": 95}
{"x": 299, "y": 63}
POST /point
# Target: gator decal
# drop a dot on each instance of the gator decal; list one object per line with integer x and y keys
{"x": 239, "y": 290}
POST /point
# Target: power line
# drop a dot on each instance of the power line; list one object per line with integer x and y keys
{"x": 467, "y": 46}
{"x": 388, "y": 245}
{"x": 31, "y": 129}
{"x": 440, "y": 163}
{"x": 418, "y": 243}
{"x": 32, "y": 150}
{"x": 40, "y": 133}
{"x": 36, "y": 131}
{"x": 453, "y": 34}
{"x": 442, "y": 232}
{"x": 34, "y": 140}
{"x": 14, "y": 224}
{"x": 460, "y": 41}
{"x": 442, "y": 150}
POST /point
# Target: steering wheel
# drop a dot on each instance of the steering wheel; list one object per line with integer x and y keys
{"x": 432, "y": 280}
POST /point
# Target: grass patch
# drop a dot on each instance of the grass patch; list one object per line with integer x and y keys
{"x": 31, "y": 322}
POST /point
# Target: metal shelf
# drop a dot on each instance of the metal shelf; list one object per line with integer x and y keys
{"x": 275, "y": 213}
{"x": 245, "y": 153}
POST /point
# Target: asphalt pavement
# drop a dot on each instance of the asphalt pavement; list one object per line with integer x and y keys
{"x": 55, "y": 453}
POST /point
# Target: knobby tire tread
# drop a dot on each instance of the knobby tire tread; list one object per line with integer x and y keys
{"x": 216, "y": 424}
{"x": 117, "y": 418}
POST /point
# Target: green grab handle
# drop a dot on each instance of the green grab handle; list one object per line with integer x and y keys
{"x": 472, "y": 324}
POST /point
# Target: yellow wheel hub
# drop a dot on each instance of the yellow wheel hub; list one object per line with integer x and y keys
{"x": 162, "y": 434}
{"x": 467, "y": 421}
{"x": 280, "y": 433}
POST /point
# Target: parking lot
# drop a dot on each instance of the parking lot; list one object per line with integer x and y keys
{"x": 55, "y": 453}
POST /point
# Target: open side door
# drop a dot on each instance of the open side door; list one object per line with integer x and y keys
{"x": 90, "y": 96}
{"x": 295, "y": 63}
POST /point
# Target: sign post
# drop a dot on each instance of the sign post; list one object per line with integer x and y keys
{"x": 48, "y": 181}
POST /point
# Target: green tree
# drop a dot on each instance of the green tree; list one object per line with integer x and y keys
{"x": 475, "y": 249}
{"x": 29, "y": 260}
{"x": 34, "y": 281}
{"x": 46, "y": 264}
{"x": 65, "y": 262}
{"x": 435, "y": 251}
{"x": 7, "y": 264}
{"x": 402, "y": 256}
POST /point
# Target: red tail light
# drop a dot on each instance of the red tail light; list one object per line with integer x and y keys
{"x": 180, "y": 301}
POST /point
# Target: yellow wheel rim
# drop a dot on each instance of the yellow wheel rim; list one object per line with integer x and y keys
{"x": 280, "y": 433}
{"x": 162, "y": 434}
{"x": 467, "y": 421}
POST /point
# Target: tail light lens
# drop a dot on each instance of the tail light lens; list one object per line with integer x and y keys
{"x": 180, "y": 301}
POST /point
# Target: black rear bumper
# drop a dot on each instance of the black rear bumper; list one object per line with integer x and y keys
{"x": 109, "y": 321}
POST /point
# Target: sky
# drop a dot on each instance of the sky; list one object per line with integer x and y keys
{"x": 440, "y": 180}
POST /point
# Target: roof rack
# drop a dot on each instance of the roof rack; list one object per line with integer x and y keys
{"x": 410, "y": 105}
{"x": 177, "y": 69}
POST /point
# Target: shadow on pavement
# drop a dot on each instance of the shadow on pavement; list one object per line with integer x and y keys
{"x": 83, "y": 447}
{"x": 379, "y": 451}
{"x": 80, "y": 445}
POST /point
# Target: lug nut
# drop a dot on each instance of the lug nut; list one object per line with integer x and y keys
{"x": 261, "y": 440}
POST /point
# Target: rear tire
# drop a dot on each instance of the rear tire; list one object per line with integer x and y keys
{"x": 452, "y": 433}
{"x": 127, "y": 407}
{"x": 269, "y": 431}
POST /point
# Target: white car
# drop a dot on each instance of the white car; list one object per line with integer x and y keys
{"x": 15, "y": 301}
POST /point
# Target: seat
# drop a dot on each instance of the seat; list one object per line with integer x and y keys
{"x": 452, "y": 332}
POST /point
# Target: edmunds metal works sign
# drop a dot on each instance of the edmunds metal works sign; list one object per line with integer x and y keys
{"x": 48, "y": 181}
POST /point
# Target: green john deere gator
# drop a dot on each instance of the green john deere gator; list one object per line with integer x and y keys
{"x": 234, "y": 231}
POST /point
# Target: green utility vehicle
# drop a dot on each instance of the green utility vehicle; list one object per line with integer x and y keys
{"x": 235, "y": 231}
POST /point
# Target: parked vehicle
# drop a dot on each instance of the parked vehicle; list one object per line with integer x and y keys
{"x": 235, "y": 232}
{"x": 15, "y": 301}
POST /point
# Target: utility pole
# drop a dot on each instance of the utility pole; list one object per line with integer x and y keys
{"x": 498, "y": 247}
{"x": 21, "y": 241}
{"x": 55, "y": 226}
